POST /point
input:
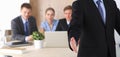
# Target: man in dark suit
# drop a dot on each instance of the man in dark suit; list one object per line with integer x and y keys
{"x": 63, "y": 24}
{"x": 93, "y": 22}
{"x": 23, "y": 25}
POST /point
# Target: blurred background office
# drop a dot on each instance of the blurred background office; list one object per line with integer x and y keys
{"x": 11, "y": 8}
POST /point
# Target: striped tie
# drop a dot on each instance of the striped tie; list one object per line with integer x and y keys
{"x": 100, "y": 10}
{"x": 26, "y": 29}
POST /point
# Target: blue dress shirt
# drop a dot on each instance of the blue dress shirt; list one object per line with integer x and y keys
{"x": 24, "y": 21}
{"x": 46, "y": 26}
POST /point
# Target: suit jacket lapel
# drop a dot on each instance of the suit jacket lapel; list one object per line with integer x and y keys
{"x": 96, "y": 11}
{"x": 30, "y": 22}
{"x": 107, "y": 11}
{"x": 65, "y": 23}
{"x": 21, "y": 24}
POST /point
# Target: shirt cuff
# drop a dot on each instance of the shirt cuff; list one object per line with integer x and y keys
{"x": 26, "y": 38}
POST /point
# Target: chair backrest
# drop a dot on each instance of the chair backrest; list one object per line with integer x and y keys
{"x": 8, "y": 35}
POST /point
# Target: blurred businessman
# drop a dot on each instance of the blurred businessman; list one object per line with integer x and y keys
{"x": 64, "y": 23}
{"x": 23, "y": 25}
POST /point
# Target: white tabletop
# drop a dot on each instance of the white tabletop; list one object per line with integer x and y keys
{"x": 50, "y": 52}
{"x": 44, "y": 52}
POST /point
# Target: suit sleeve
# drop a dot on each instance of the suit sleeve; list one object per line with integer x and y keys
{"x": 58, "y": 28}
{"x": 15, "y": 33}
{"x": 33, "y": 25}
{"x": 76, "y": 22}
{"x": 117, "y": 19}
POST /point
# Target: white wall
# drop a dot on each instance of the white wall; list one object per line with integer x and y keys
{"x": 118, "y": 3}
{"x": 117, "y": 37}
{"x": 57, "y": 5}
{"x": 9, "y": 9}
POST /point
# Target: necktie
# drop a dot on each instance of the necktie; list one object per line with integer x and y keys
{"x": 68, "y": 25}
{"x": 100, "y": 10}
{"x": 26, "y": 29}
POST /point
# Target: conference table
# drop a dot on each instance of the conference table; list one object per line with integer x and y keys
{"x": 30, "y": 51}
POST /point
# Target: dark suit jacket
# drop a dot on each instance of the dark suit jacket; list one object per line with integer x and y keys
{"x": 62, "y": 25}
{"x": 18, "y": 28}
{"x": 96, "y": 38}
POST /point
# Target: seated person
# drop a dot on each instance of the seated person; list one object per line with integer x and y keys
{"x": 63, "y": 24}
{"x": 23, "y": 25}
{"x": 50, "y": 23}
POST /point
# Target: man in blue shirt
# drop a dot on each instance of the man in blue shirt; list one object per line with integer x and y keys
{"x": 23, "y": 25}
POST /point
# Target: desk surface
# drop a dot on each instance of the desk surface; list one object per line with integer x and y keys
{"x": 49, "y": 52}
{"x": 45, "y": 52}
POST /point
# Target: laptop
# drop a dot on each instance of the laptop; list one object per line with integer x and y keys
{"x": 56, "y": 39}
{"x": 17, "y": 43}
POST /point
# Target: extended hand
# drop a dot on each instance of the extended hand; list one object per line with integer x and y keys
{"x": 73, "y": 44}
{"x": 29, "y": 38}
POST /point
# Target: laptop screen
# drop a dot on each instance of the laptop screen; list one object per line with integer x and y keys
{"x": 56, "y": 39}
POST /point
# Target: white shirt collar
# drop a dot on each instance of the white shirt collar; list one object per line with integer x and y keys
{"x": 97, "y": 0}
{"x": 68, "y": 22}
{"x": 23, "y": 19}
